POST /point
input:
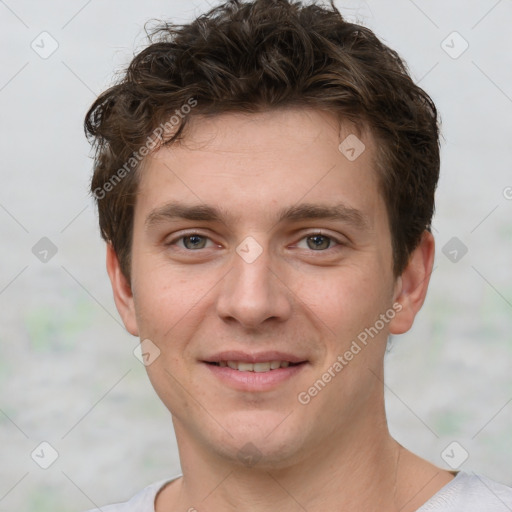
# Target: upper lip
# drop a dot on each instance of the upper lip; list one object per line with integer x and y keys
{"x": 260, "y": 357}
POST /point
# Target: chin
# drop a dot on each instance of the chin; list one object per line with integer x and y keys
{"x": 262, "y": 442}
{"x": 260, "y": 456}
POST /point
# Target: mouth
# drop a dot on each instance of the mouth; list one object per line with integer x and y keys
{"x": 254, "y": 372}
{"x": 261, "y": 367}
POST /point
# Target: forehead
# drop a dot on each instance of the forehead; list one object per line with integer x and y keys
{"x": 270, "y": 160}
{"x": 275, "y": 130}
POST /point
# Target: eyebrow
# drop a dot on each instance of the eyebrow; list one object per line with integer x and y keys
{"x": 306, "y": 211}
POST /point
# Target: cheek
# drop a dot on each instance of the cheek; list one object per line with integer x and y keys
{"x": 170, "y": 304}
{"x": 159, "y": 300}
{"x": 343, "y": 300}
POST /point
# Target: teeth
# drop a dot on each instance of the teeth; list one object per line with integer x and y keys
{"x": 245, "y": 367}
{"x": 255, "y": 367}
{"x": 261, "y": 367}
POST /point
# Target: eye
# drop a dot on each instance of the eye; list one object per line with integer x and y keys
{"x": 319, "y": 242}
{"x": 191, "y": 242}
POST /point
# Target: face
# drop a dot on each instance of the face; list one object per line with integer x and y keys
{"x": 260, "y": 254}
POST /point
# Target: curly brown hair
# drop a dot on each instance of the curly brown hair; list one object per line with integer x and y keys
{"x": 250, "y": 56}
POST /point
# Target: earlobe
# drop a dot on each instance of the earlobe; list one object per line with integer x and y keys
{"x": 411, "y": 287}
{"x": 121, "y": 288}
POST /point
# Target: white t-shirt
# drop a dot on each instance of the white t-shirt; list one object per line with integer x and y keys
{"x": 465, "y": 493}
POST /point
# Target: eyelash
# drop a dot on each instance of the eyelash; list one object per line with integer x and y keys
{"x": 337, "y": 241}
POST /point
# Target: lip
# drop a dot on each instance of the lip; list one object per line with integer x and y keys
{"x": 260, "y": 357}
{"x": 254, "y": 381}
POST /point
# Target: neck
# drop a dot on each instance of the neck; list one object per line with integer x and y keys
{"x": 356, "y": 471}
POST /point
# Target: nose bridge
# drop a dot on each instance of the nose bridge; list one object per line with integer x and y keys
{"x": 251, "y": 292}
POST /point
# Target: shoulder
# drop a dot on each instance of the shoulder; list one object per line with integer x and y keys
{"x": 143, "y": 501}
{"x": 471, "y": 493}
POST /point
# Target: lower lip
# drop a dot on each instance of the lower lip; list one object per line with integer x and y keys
{"x": 254, "y": 381}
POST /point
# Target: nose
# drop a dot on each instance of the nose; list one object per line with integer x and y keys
{"x": 253, "y": 292}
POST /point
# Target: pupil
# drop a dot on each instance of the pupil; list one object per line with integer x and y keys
{"x": 320, "y": 241}
{"x": 193, "y": 241}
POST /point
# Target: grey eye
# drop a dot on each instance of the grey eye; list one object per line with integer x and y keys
{"x": 194, "y": 241}
{"x": 318, "y": 242}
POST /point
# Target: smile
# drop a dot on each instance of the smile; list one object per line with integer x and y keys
{"x": 254, "y": 377}
{"x": 260, "y": 367}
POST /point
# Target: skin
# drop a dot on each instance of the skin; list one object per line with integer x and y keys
{"x": 335, "y": 452}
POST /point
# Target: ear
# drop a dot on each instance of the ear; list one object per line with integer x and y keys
{"x": 411, "y": 286}
{"x": 123, "y": 296}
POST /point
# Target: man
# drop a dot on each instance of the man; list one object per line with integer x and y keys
{"x": 265, "y": 181}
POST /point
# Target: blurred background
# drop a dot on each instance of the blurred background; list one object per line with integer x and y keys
{"x": 68, "y": 375}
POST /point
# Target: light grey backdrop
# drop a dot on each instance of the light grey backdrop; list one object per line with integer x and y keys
{"x": 68, "y": 376}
